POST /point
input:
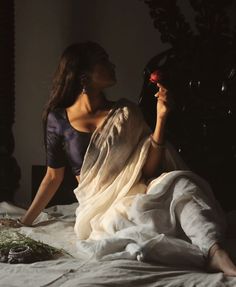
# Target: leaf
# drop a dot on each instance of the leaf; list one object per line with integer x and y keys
{"x": 39, "y": 250}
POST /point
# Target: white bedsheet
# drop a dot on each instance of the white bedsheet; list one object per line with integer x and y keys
{"x": 56, "y": 228}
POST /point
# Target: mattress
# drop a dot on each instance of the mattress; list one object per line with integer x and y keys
{"x": 54, "y": 226}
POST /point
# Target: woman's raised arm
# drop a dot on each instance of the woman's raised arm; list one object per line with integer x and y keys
{"x": 152, "y": 165}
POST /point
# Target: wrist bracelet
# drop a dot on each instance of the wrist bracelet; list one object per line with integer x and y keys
{"x": 156, "y": 144}
{"x": 21, "y": 223}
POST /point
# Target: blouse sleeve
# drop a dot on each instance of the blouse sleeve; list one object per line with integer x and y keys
{"x": 55, "y": 153}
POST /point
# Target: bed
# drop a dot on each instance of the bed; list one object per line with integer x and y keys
{"x": 54, "y": 226}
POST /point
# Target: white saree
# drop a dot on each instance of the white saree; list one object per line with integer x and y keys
{"x": 172, "y": 219}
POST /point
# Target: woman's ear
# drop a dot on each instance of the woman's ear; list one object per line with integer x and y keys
{"x": 85, "y": 81}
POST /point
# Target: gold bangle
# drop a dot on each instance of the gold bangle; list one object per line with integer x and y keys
{"x": 156, "y": 144}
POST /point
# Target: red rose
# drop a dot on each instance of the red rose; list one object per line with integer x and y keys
{"x": 155, "y": 77}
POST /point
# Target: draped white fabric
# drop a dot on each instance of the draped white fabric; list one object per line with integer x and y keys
{"x": 173, "y": 218}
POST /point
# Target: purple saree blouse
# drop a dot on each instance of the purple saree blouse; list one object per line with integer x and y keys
{"x": 65, "y": 143}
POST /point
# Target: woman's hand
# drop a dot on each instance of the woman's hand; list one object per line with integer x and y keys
{"x": 9, "y": 222}
{"x": 164, "y": 102}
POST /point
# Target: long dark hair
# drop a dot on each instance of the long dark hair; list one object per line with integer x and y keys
{"x": 75, "y": 63}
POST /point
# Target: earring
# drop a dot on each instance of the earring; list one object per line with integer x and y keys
{"x": 84, "y": 90}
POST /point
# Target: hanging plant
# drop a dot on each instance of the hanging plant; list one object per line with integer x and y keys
{"x": 206, "y": 56}
{"x": 211, "y": 19}
{"x": 170, "y": 22}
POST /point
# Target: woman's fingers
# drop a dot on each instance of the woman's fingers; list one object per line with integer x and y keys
{"x": 166, "y": 98}
{"x": 163, "y": 95}
{"x": 8, "y": 222}
{"x": 161, "y": 87}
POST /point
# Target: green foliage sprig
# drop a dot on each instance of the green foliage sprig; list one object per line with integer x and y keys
{"x": 39, "y": 250}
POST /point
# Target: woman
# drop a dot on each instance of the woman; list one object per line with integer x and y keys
{"x": 131, "y": 197}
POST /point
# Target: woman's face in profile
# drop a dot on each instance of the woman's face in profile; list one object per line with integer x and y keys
{"x": 103, "y": 73}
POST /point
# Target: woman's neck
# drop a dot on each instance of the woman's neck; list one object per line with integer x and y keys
{"x": 90, "y": 103}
